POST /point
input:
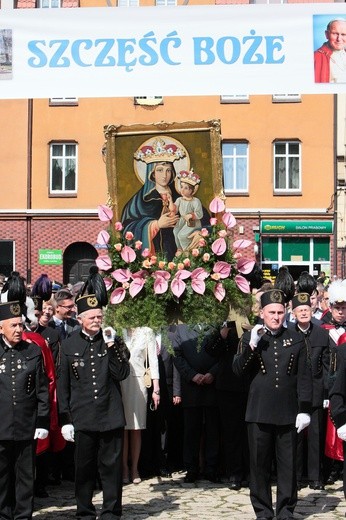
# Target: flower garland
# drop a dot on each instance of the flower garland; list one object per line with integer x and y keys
{"x": 198, "y": 286}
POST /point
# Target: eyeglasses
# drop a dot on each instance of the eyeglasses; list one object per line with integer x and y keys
{"x": 68, "y": 307}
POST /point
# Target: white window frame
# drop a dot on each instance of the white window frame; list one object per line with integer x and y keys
{"x": 128, "y": 3}
{"x": 63, "y": 101}
{"x": 49, "y": 4}
{"x": 286, "y": 98}
{"x": 235, "y": 156}
{"x": 165, "y": 3}
{"x": 64, "y": 158}
{"x": 235, "y": 98}
{"x": 287, "y": 156}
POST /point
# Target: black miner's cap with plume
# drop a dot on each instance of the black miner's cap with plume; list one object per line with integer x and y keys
{"x": 285, "y": 283}
{"x": 255, "y": 277}
{"x": 15, "y": 288}
{"x": 95, "y": 285}
{"x": 306, "y": 283}
{"x": 42, "y": 287}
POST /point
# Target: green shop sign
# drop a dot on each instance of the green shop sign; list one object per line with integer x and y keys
{"x": 50, "y": 256}
{"x": 311, "y": 227}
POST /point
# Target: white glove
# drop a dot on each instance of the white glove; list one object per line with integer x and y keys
{"x": 342, "y": 432}
{"x": 67, "y": 431}
{"x": 326, "y": 403}
{"x": 109, "y": 335}
{"x": 256, "y": 334}
{"x": 302, "y": 421}
{"x": 41, "y": 433}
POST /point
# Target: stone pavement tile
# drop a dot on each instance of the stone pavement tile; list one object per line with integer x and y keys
{"x": 171, "y": 499}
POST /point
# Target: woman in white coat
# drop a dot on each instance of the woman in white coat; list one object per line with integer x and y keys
{"x": 141, "y": 341}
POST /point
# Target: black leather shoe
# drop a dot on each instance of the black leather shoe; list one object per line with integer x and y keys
{"x": 317, "y": 485}
{"x": 235, "y": 485}
{"x": 190, "y": 477}
{"x": 165, "y": 473}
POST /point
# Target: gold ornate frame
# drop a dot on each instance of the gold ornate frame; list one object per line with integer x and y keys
{"x": 202, "y": 140}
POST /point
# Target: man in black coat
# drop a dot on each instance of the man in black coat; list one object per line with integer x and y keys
{"x": 24, "y": 411}
{"x": 279, "y": 401}
{"x": 91, "y": 410}
{"x": 317, "y": 341}
{"x": 197, "y": 370}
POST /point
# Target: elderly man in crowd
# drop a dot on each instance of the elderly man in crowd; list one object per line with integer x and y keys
{"x": 24, "y": 411}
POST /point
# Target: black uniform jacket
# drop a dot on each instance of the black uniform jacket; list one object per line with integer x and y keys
{"x": 24, "y": 400}
{"x": 191, "y": 359}
{"x": 281, "y": 384}
{"x": 338, "y": 391}
{"x": 88, "y": 383}
{"x": 318, "y": 353}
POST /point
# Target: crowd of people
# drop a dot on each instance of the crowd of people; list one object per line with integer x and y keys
{"x": 244, "y": 403}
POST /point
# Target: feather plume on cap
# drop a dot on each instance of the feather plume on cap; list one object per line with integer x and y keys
{"x": 95, "y": 285}
{"x": 337, "y": 292}
{"x": 15, "y": 288}
{"x": 42, "y": 287}
{"x": 306, "y": 283}
{"x": 284, "y": 282}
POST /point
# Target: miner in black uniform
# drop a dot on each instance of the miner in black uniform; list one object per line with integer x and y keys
{"x": 279, "y": 402}
{"x": 91, "y": 410}
{"x": 24, "y": 412}
{"x": 317, "y": 344}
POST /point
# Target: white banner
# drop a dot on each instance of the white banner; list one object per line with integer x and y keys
{"x": 164, "y": 51}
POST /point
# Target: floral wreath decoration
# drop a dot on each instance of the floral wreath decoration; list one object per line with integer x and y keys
{"x": 198, "y": 286}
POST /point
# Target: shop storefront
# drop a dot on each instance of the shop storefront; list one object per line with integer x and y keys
{"x": 299, "y": 245}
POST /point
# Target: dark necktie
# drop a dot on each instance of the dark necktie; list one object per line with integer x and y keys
{"x": 62, "y": 330}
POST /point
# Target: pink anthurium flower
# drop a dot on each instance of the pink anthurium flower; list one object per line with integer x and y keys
{"x": 128, "y": 254}
{"x": 160, "y": 285}
{"x": 245, "y": 266}
{"x": 219, "y": 292}
{"x": 223, "y": 268}
{"x": 118, "y": 295}
{"x": 217, "y": 205}
{"x": 108, "y": 283}
{"x": 241, "y": 243}
{"x": 136, "y": 286}
{"x": 103, "y": 262}
{"x": 121, "y": 275}
{"x": 105, "y": 213}
{"x": 229, "y": 219}
{"x": 198, "y": 276}
{"x": 103, "y": 238}
{"x": 242, "y": 283}
{"x": 219, "y": 246}
{"x": 178, "y": 285}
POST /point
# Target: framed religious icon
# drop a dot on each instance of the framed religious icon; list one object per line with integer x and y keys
{"x": 161, "y": 179}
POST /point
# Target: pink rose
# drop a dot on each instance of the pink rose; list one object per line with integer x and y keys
{"x": 146, "y": 263}
{"x": 126, "y": 285}
{"x": 201, "y": 242}
{"x": 118, "y": 246}
{"x": 138, "y": 244}
{"x": 213, "y": 221}
{"x": 187, "y": 262}
{"x": 222, "y": 233}
{"x": 118, "y": 226}
{"x": 145, "y": 253}
{"x": 162, "y": 264}
{"x": 153, "y": 260}
{"x": 195, "y": 252}
{"x": 129, "y": 235}
{"x": 180, "y": 266}
{"x": 206, "y": 257}
{"x": 237, "y": 255}
{"x": 215, "y": 276}
{"x": 204, "y": 232}
{"x": 171, "y": 265}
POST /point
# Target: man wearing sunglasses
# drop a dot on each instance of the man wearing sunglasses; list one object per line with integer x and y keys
{"x": 63, "y": 319}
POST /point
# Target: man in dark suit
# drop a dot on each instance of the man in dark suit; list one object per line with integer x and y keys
{"x": 63, "y": 320}
{"x": 24, "y": 411}
{"x": 316, "y": 340}
{"x": 197, "y": 370}
{"x": 91, "y": 410}
{"x": 279, "y": 401}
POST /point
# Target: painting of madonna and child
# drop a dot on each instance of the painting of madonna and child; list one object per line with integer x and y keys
{"x": 165, "y": 181}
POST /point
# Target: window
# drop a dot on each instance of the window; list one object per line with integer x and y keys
{"x": 63, "y": 101}
{"x": 7, "y": 251}
{"x": 166, "y": 2}
{"x": 128, "y": 3}
{"x": 286, "y": 98}
{"x": 148, "y": 100}
{"x": 236, "y": 98}
{"x": 63, "y": 166}
{"x": 49, "y": 3}
{"x": 235, "y": 167}
{"x": 287, "y": 166}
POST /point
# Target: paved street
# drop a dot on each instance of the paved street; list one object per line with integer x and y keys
{"x": 159, "y": 498}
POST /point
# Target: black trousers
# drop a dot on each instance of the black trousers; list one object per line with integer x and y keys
{"x": 99, "y": 452}
{"x": 314, "y": 436}
{"x": 17, "y": 471}
{"x": 234, "y": 446}
{"x": 200, "y": 420}
{"x": 265, "y": 442}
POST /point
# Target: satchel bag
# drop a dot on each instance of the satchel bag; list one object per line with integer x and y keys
{"x": 147, "y": 371}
